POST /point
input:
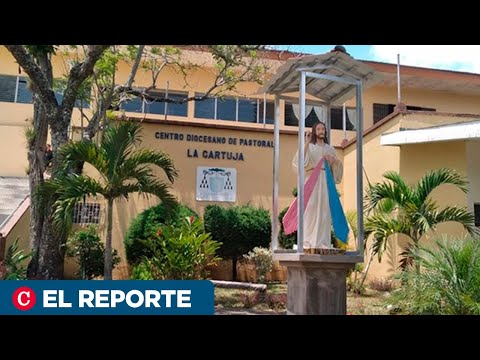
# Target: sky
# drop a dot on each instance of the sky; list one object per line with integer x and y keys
{"x": 448, "y": 57}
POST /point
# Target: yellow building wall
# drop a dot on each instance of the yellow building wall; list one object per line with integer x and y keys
{"x": 21, "y": 230}
{"x": 415, "y": 161}
{"x": 13, "y": 147}
{"x": 442, "y": 101}
{"x": 377, "y": 159}
{"x": 254, "y": 173}
{"x": 13, "y": 144}
{"x": 418, "y": 159}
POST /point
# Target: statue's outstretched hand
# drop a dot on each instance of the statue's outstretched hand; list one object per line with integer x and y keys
{"x": 308, "y": 137}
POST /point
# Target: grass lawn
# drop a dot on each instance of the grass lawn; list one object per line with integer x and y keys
{"x": 275, "y": 298}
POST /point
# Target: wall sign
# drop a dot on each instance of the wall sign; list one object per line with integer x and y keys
{"x": 216, "y": 184}
{"x": 214, "y": 154}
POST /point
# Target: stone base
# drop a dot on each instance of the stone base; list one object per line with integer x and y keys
{"x": 317, "y": 283}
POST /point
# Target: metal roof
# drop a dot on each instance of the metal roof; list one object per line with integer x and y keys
{"x": 334, "y": 63}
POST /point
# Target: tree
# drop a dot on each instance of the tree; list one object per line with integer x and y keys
{"x": 394, "y": 207}
{"x": 122, "y": 170}
{"x": 94, "y": 67}
{"x": 36, "y": 60}
{"x": 239, "y": 229}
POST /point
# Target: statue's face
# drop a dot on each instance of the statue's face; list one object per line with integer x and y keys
{"x": 320, "y": 131}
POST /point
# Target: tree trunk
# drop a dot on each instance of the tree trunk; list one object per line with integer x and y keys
{"x": 108, "y": 242}
{"x": 51, "y": 249}
{"x": 36, "y": 167}
{"x": 234, "y": 268}
{"x": 358, "y": 290}
{"x": 51, "y": 244}
{"x": 51, "y": 252}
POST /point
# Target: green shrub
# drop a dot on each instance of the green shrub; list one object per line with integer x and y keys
{"x": 146, "y": 224}
{"x": 142, "y": 271}
{"x": 88, "y": 251}
{"x": 443, "y": 281}
{"x": 262, "y": 258}
{"x": 239, "y": 229}
{"x": 179, "y": 253}
{"x": 12, "y": 267}
{"x": 285, "y": 241}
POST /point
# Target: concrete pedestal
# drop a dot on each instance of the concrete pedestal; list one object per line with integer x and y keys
{"x": 317, "y": 283}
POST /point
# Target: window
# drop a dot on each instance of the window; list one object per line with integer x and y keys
{"x": 205, "y": 109}
{"x": 133, "y": 105}
{"x": 419, "y": 108}
{"x": 381, "y": 111}
{"x": 137, "y": 105}
{"x": 8, "y": 85}
{"x": 162, "y": 107}
{"x": 15, "y": 89}
{"x": 86, "y": 213}
{"x": 476, "y": 211}
{"x": 79, "y": 103}
{"x": 316, "y": 113}
{"x": 227, "y": 109}
{"x": 247, "y": 110}
{"x": 235, "y": 109}
{"x": 336, "y": 118}
{"x": 269, "y": 113}
{"x": 24, "y": 95}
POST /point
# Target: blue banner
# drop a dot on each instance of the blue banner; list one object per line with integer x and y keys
{"x": 110, "y": 297}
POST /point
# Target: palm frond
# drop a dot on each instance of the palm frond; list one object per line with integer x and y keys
{"x": 395, "y": 191}
{"x": 84, "y": 151}
{"x": 407, "y": 257}
{"x": 118, "y": 143}
{"x": 63, "y": 215}
{"x": 152, "y": 187}
{"x": 422, "y": 216}
{"x": 46, "y": 191}
{"x": 435, "y": 178}
{"x": 352, "y": 221}
{"x": 381, "y": 226}
{"x": 70, "y": 190}
{"x": 145, "y": 157}
{"x": 386, "y": 206}
{"x": 399, "y": 182}
{"x": 460, "y": 215}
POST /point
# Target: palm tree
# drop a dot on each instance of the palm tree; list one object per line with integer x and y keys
{"x": 122, "y": 170}
{"x": 394, "y": 207}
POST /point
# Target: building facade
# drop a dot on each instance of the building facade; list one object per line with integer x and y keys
{"x": 235, "y": 134}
